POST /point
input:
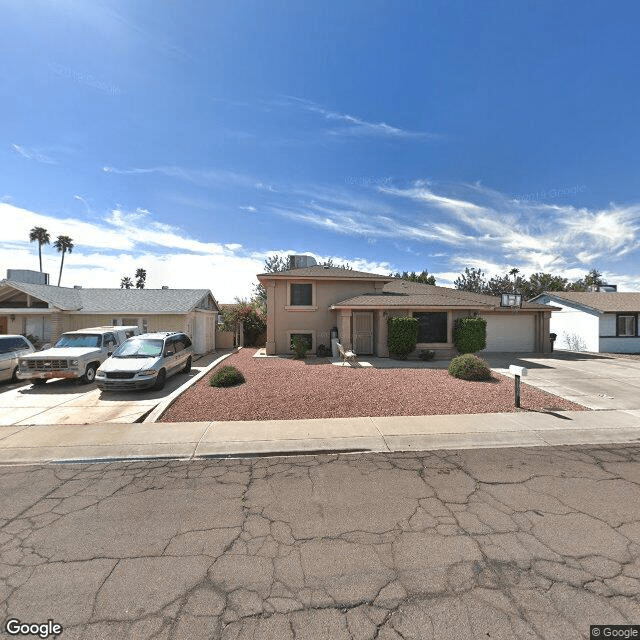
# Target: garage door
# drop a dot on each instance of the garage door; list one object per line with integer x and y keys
{"x": 510, "y": 332}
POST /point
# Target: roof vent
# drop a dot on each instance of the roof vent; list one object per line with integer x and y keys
{"x": 164, "y": 287}
{"x": 77, "y": 286}
{"x": 301, "y": 262}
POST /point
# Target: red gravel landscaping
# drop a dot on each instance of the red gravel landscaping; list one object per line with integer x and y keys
{"x": 284, "y": 389}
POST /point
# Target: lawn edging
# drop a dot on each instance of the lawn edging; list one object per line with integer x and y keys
{"x": 162, "y": 408}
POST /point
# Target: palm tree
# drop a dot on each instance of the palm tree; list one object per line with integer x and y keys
{"x": 141, "y": 277}
{"x": 63, "y": 244}
{"x": 126, "y": 283}
{"x": 514, "y": 272}
{"x": 42, "y": 236}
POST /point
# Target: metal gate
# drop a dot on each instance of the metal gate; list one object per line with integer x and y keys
{"x": 363, "y": 332}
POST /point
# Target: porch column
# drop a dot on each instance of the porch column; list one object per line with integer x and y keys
{"x": 344, "y": 328}
{"x": 382, "y": 342}
{"x": 450, "y": 327}
{"x": 270, "y": 286}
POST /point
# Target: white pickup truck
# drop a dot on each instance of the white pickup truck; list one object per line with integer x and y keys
{"x": 76, "y": 354}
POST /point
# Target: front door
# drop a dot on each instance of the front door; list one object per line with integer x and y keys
{"x": 3, "y": 325}
{"x": 363, "y": 332}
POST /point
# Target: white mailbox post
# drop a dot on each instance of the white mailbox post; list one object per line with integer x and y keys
{"x": 517, "y": 372}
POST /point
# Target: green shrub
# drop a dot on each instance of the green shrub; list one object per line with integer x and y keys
{"x": 469, "y": 367}
{"x": 300, "y": 346}
{"x": 470, "y": 334}
{"x": 403, "y": 335}
{"x": 226, "y": 377}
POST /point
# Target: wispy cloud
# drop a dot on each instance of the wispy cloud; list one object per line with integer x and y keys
{"x": 32, "y": 154}
{"x": 200, "y": 177}
{"x": 354, "y": 125}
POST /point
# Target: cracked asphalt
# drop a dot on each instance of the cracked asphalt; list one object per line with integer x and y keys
{"x": 492, "y": 543}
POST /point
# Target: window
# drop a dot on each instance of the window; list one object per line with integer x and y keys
{"x": 627, "y": 325}
{"x": 109, "y": 341}
{"x": 7, "y": 345}
{"x": 301, "y": 295}
{"x": 432, "y": 327}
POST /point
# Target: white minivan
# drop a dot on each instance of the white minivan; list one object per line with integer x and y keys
{"x": 11, "y": 348}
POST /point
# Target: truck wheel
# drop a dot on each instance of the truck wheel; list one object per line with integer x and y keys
{"x": 187, "y": 366}
{"x": 160, "y": 380}
{"x": 89, "y": 374}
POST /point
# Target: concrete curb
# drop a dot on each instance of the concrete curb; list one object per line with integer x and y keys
{"x": 161, "y": 408}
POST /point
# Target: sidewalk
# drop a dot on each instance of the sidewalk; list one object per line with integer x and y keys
{"x": 191, "y": 440}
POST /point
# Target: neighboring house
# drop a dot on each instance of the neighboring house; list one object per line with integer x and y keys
{"x": 594, "y": 321}
{"x": 46, "y": 311}
{"x": 308, "y": 302}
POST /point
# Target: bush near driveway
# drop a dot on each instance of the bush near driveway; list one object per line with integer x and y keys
{"x": 226, "y": 377}
{"x": 470, "y": 367}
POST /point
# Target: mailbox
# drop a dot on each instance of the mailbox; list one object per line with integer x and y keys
{"x": 518, "y": 371}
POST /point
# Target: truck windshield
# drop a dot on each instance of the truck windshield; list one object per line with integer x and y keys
{"x": 79, "y": 340}
{"x": 139, "y": 349}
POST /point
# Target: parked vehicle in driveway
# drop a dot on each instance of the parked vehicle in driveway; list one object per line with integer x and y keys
{"x": 11, "y": 348}
{"x": 76, "y": 354}
{"x": 146, "y": 361}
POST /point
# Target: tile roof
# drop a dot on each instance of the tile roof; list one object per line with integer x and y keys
{"x": 114, "y": 300}
{"x": 325, "y": 272}
{"x": 402, "y": 293}
{"x": 599, "y": 301}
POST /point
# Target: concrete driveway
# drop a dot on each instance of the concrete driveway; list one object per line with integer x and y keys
{"x": 592, "y": 380}
{"x": 64, "y": 401}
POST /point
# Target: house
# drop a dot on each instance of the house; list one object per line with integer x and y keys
{"x": 596, "y": 321}
{"x": 45, "y": 311}
{"x": 308, "y": 302}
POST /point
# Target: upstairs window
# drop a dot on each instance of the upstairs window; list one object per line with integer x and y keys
{"x": 301, "y": 295}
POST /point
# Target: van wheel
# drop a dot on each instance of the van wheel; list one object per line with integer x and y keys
{"x": 187, "y": 366}
{"x": 38, "y": 382}
{"x": 160, "y": 380}
{"x": 89, "y": 374}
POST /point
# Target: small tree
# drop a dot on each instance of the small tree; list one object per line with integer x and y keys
{"x": 249, "y": 315}
{"x": 470, "y": 334}
{"x": 403, "y": 335}
{"x": 126, "y": 283}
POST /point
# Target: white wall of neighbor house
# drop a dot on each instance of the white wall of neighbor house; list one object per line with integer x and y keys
{"x": 576, "y": 330}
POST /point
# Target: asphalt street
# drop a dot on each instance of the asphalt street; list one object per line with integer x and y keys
{"x": 495, "y": 543}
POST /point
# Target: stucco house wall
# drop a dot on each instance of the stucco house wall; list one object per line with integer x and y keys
{"x": 317, "y": 319}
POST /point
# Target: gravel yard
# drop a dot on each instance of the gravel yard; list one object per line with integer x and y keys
{"x": 284, "y": 389}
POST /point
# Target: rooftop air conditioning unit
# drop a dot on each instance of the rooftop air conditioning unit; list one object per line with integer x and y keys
{"x": 27, "y": 276}
{"x": 301, "y": 262}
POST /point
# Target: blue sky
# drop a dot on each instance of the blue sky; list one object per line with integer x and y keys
{"x": 194, "y": 139}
